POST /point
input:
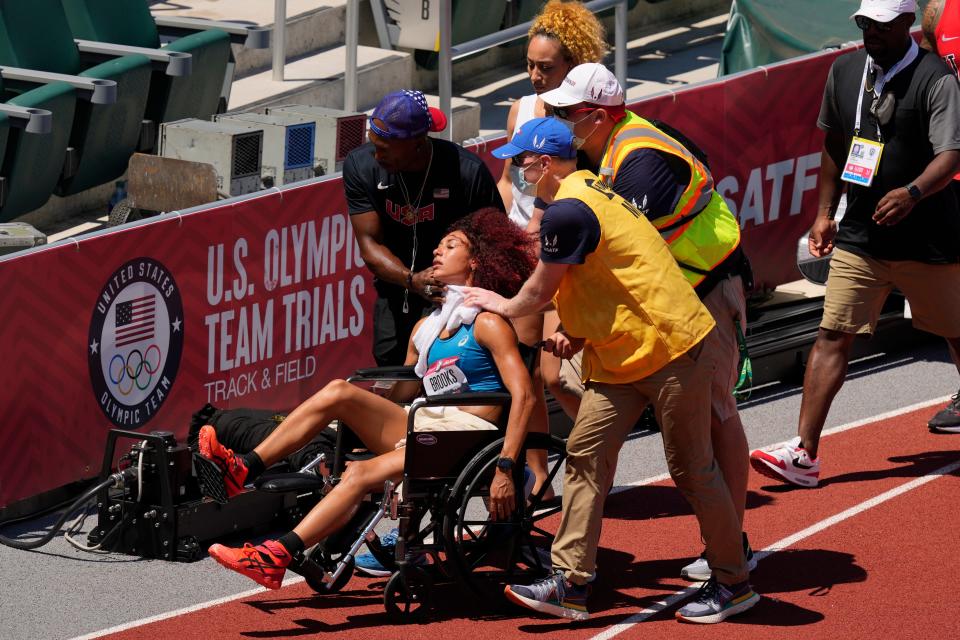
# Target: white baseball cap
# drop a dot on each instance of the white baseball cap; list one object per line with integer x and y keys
{"x": 885, "y": 10}
{"x": 591, "y": 83}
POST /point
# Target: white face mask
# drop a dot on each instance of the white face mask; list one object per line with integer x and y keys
{"x": 578, "y": 142}
{"x": 525, "y": 186}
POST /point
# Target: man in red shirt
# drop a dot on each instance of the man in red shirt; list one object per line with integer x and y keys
{"x": 941, "y": 35}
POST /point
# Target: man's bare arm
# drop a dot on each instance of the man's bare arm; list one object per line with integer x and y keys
{"x": 931, "y": 16}
{"x": 379, "y": 259}
{"x": 535, "y": 294}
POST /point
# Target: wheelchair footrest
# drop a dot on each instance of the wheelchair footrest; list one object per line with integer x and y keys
{"x": 278, "y": 483}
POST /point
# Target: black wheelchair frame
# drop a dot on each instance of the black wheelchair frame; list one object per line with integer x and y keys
{"x": 445, "y": 534}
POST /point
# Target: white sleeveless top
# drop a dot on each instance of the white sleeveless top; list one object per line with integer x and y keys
{"x": 522, "y": 208}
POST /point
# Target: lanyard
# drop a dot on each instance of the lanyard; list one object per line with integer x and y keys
{"x": 863, "y": 82}
{"x": 881, "y": 82}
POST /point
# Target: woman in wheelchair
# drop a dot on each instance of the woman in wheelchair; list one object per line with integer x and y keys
{"x": 456, "y": 348}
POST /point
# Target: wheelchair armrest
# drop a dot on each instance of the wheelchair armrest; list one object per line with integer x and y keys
{"x": 175, "y": 63}
{"x": 389, "y": 374}
{"x": 95, "y": 90}
{"x": 469, "y": 399}
{"x": 283, "y": 482}
{"x": 251, "y": 36}
{"x": 360, "y": 455}
{"x": 30, "y": 120}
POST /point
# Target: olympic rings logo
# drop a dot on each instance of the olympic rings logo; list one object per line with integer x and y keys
{"x": 137, "y": 368}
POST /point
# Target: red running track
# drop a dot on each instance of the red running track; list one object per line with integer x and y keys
{"x": 865, "y": 569}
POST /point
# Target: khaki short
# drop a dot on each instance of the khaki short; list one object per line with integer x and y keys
{"x": 448, "y": 419}
{"x": 721, "y": 352}
{"x": 858, "y": 286}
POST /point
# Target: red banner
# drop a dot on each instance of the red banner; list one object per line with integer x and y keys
{"x": 259, "y": 302}
{"x": 255, "y": 303}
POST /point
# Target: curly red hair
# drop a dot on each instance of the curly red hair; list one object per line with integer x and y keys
{"x": 504, "y": 252}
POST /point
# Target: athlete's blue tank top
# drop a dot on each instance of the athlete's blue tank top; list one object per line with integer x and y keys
{"x": 463, "y": 350}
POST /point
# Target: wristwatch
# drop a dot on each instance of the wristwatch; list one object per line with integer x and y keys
{"x": 505, "y": 464}
{"x": 914, "y": 191}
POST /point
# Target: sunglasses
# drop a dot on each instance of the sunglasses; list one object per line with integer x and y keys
{"x": 566, "y": 112}
{"x": 864, "y": 23}
{"x": 518, "y": 161}
{"x": 882, "y": 108}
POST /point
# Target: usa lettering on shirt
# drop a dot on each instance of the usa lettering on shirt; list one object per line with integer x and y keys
{"x": 445, "y": 376}
{"x": 407, "y": 215}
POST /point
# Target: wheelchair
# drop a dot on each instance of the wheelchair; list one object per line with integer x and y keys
{"x": 445, "y": 533}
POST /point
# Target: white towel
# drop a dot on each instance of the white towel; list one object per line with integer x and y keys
{"x": 451, "y": 315}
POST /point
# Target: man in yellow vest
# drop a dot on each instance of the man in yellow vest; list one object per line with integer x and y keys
{"x": 620, "y": 293}
{"x": 675, "y": 191}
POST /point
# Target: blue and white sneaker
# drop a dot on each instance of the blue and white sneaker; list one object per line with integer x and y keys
{"x": 367, "y": 563}
{"x": 554, "y": 595}
{"x": 716, "y": 602}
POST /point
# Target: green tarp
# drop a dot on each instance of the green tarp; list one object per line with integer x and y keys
{"x": 766, "y": 31}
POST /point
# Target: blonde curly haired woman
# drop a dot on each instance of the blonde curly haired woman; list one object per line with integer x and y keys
{"x": 562, "y": 36}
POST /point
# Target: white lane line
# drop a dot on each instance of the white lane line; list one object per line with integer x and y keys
{"x": 780, "y": 545}
{"x": 180, "y": 612}
{"x": 826, "y": 432}
{"x": 645, "y": 481}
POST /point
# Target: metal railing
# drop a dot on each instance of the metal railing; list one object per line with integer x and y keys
{"x": 350, "y": 74}
{"x": 450, "y": 53}
{"x": 279, "y": 38}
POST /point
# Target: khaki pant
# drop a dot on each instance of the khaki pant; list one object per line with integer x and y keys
{"x": 680, "y": 393}
{"x": 727, "y": 304}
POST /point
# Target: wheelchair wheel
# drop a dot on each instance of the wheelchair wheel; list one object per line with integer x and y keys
{"x": 407, "y": 595}
{"x": 484, "y": 554}
{"x": 325, "y": 561}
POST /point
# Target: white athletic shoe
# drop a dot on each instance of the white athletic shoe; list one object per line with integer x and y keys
{"x": 699, "y": 569}
{"x": 787, "y": 462}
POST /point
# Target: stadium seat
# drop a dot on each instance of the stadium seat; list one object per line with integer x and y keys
{"x": 527, "y": 10}
{"x": 36, "y": 36}
{"x": 129, "y": 22}
{"x": 31, "y": 163}
{"x": 470, "y": 20}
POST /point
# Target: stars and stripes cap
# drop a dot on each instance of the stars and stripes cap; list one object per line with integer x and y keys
{"x": 543, "y": 136}
{"x": 405, "y": 114}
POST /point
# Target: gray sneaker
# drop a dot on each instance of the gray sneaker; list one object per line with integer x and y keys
{"x": 553, "y": 595}
{"x": 947, "y": 419}
{"x": 699, "y": 570}
{"x": 716, "y": 602}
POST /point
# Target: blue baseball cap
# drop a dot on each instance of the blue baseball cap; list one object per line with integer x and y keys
{"x": 405, "y": 115}
{"x": 545, "y": 136}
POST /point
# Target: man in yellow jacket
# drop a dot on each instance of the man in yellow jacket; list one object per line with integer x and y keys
{"x": 674, "y": 189}
{"x": 621, "y": 295}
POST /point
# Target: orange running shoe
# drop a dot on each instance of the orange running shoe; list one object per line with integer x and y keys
{"x": 265, "y": 563}
{"x": 233, "y": 467}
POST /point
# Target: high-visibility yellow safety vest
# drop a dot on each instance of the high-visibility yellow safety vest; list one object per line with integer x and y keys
{"x": 629, "y": 298}
{"x": 701, "y": 231}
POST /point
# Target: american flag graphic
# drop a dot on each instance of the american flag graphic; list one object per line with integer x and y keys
{"x": 135, "y": 320}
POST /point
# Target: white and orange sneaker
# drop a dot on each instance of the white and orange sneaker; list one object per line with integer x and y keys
{"x": 787, "y": 462}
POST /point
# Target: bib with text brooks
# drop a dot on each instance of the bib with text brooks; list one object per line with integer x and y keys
{"x": 444, "y": 376}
